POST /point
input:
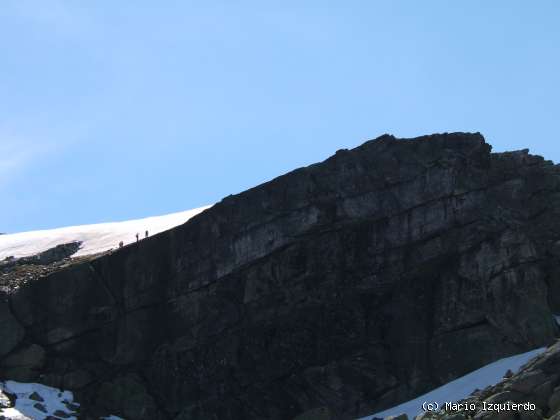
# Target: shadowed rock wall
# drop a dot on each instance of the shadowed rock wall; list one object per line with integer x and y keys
{"x": 352, "y": 284}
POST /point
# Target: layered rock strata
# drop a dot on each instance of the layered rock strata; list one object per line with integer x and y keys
{"x": 347, "y": 286}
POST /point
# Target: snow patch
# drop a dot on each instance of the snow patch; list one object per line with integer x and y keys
{"x": 45, "y": 401}
{"x": 462, "y": 387}
{"x": 37, "y": 402}
{"x": 95, "y": 238}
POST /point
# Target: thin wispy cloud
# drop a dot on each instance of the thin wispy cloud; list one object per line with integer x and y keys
{"x": 11, "y": 164}
{"x": 55, "y": 15}
{"x": 15, "y": 155}
{"x": 19, "y": 153}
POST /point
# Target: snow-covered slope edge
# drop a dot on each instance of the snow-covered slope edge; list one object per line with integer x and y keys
{"x": 95, "y": 238}
{"x": 462, "y": 387}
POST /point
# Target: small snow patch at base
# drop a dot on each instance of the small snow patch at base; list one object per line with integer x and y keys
{"x": 462, "y": 387}
{"x": 37, "y": 402}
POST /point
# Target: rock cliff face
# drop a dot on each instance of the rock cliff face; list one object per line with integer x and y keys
{"x": 345, "y": 287}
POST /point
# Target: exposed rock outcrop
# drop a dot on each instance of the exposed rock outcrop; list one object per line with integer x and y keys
{"x": 336, "y": 288}
{"x": 14, "y": 272}
{"x": 531, "y": 394}
{"x": 47, "y": 257}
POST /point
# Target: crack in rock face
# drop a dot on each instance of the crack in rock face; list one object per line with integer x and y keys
{"x": 343, "y": 288}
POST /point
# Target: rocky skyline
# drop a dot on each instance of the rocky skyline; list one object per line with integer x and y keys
{"x": 353, "y": 285}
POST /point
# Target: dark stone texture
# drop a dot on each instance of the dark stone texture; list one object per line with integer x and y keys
{"x": 11, "y": 331}
{"x": 23, "y": 365}
{"x": 353, "y": 284}
{"x": 127, "y": 395}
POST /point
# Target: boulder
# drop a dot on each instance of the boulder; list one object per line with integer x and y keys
{"x": 504, "y": 396}
{"x": 455, "y": 416}
{"x": 36, "y": 397}
{"x": 399, "y": 417}
{"x": 41, "y": 407}
{"x": 527, "y": 381}
{"x": 530, "y": 415}
{"x": 554, "y": 401}
{"x": 5, "y": 401}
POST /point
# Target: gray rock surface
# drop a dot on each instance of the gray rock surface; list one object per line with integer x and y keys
{"x": 353, "y": 284}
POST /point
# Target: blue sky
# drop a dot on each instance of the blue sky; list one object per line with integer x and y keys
{"x": 118, "y": 110}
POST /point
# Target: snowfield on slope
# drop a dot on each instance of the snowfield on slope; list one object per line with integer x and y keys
{"x": 95, "y": 238}
{"x": 462, "y": 387}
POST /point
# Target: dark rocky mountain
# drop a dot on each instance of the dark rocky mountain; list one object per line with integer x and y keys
{"x": 336, "y": 290}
